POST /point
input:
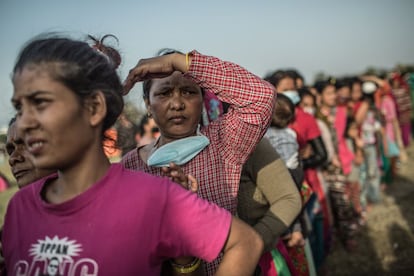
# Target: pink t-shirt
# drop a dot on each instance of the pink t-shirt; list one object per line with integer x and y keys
{"x": 346, "y": 156}
{"x": 127, "y": 223}
{"x": 389, "y": 111}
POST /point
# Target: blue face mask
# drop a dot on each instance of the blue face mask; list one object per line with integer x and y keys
{"x": 293, "y": 96}
{"x": 179, "y": 152}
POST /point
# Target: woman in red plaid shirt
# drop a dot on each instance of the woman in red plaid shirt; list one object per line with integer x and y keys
{"x": 174, "y": 85}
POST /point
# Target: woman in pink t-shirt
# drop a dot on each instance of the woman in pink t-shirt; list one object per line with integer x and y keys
{"x": 92, "y": 216}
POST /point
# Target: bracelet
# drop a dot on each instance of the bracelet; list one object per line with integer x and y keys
{"x": 187, "y": 61}
{"x": 186, "y": 268}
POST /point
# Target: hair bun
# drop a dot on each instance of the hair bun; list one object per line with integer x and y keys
{"x": 109, "y": 52}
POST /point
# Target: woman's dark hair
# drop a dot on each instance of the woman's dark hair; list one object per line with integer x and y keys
{"x": 322, "y": 84}
{"x": 146, "y": 85}
{"x": 284, "y": 112}
{"x": 355, "y": 79}
{"x": 80, "y": 67}
{"x": 295, "y": 74}
{"x": 110, "y": 52}
{"x": 343, "y": 82}
{"x": 304, "y": 91}
{"x": 278, "y": 75}
{"x": 349, "y": 121}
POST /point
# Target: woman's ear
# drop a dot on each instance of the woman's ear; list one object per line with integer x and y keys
{"x": 96, "y": 106}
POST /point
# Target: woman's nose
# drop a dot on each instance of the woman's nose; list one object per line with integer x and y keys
{"x": 177, "y": 102}
{"x": 16, "y": 157}
{"x": 26, "y": 120}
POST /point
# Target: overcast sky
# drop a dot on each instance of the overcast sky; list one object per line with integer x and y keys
{"x": 335, "y": 37}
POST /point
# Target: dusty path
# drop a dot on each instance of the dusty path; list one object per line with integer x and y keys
{"x": 386, "y": 242}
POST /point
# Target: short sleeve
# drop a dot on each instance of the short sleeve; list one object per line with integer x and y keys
{"x": 193, "y": 226}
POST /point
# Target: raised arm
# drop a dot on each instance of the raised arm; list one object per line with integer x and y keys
{"x": 251, "y": 99}
{"x": 250, "y": 102}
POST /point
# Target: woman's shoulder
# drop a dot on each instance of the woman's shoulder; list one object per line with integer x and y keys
{"x": 152, "y": 187}
{"x": 303, "y": 119}
{"x": 132, "y": 159}
{"x": 136, "y": 175}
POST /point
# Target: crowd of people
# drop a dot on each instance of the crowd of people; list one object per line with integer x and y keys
{"x": 227, "y": 173}
{"x": 364, "y": 125}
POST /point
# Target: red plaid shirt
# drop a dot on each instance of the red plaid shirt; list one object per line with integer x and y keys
{"x": 232, "y": 137}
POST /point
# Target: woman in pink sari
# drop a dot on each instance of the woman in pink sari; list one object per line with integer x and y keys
{"x": 334, "y": 117}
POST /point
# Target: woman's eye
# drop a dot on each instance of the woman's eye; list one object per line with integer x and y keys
{"x": 163, "y": 93}
{"x": 40, "y": 102}
{"x": 17, "y": 107}
{"x": 10, "y": 149}
{"x": 188, "y": 92}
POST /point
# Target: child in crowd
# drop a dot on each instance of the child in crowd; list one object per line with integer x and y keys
{"x": 356, "y": 145}
{"x": 374, "y": 142}
{"x": 283, "y": 138}
{"x": 284, "y": 141}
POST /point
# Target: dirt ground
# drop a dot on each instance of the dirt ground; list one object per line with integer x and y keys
{"x": 386, "y": 241}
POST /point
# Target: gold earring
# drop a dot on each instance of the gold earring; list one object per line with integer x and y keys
{"x": 149, "y": 115}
